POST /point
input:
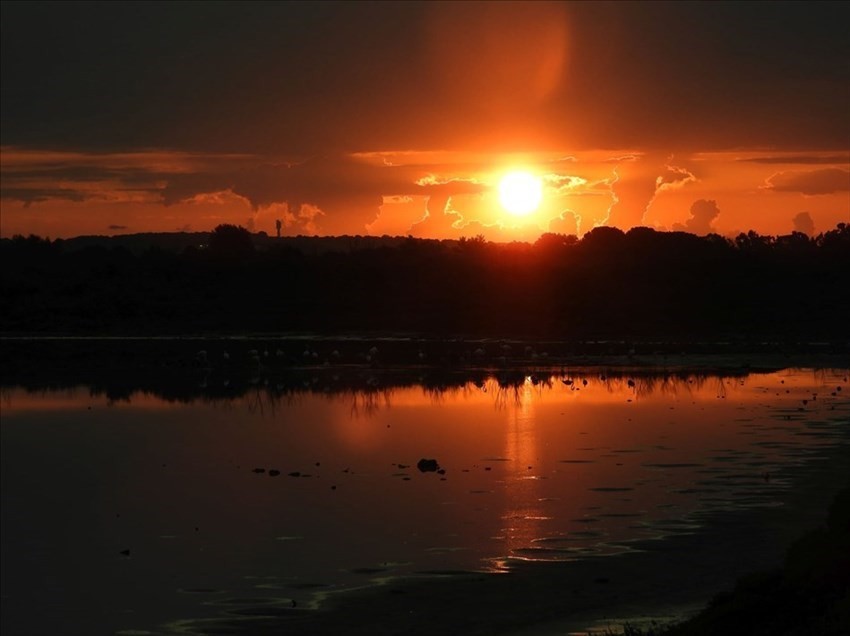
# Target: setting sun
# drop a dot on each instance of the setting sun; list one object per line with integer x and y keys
{"x": 520, "y": 193}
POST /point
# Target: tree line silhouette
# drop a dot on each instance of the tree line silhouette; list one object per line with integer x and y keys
{"x": 640, "y": 284}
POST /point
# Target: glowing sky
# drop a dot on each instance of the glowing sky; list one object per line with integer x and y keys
{"x": 400, "y": 118}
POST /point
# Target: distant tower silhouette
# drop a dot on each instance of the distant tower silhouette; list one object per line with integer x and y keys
{"x": 278, "y": 224}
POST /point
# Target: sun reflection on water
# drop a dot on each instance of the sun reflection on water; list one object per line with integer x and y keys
{"x": 522, "y": 513}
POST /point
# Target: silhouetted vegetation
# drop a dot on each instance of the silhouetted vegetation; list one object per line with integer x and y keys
{"x": 641, "y": 284}
{"x": 189, "y": 369}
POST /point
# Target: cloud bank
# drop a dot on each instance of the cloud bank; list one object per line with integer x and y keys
{"x": 703, "y": 214}
{"x": 812, "y": 183}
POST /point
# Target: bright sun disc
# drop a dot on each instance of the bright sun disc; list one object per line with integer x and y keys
{"x": 520, "y": 193}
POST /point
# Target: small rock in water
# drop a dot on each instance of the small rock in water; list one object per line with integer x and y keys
{"x": 126, "y": 552}
{"x": 259, "y": 470}
{"x": 427, "y": 465}
{"x": 295, "y": 473}
{"x": 274, "y": 473}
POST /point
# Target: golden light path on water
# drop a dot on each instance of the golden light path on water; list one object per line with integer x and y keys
{"x": 543, "y": 467}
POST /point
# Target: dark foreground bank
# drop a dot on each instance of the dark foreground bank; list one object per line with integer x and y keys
{"x": 548, "y": 599}
{"x": 809, "y": 595}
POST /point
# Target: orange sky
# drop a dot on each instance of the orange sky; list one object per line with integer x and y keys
{"x": 399, "y": 118}
{"x": 428, "y": 193}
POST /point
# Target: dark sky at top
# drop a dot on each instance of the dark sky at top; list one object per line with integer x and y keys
{"x": 297, "y": 78}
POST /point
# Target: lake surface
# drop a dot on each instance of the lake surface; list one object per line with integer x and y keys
{"x": 142, "y": 515}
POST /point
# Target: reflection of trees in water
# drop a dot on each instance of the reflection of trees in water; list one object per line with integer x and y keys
{"x": 439, "y": 395}
{"x": 6, "y": 396}
{"x": 672, "y": 384}
{"x": 257, "y": 398}
{"x": 510, "y": 389}
{"x": 367, "y": 393}
{"x": 507, "y": 396}
{"x": 823, "y": 376}
{"x": 368, "y": 403}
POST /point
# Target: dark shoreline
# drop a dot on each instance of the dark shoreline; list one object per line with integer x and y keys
{"x": 403, "y": 349}
{"x": 808, "y": 594}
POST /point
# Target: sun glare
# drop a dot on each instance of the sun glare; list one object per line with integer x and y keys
{"x": 520, "y": 193}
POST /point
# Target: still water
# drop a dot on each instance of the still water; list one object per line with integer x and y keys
{"x": 126, "y": 516}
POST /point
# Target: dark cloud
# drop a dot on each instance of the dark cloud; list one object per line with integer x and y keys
{"x": 184, "y": 187}
{"x": 824, "y": 181}
{"x": 116, "y": 227}
{"x": 83, "y": 174}
{"x": 452, "y": 187}
{"x": 674, "y": 176}
{"x": 803, "y": 223}
{"x": 349, "y": 192}
{"x": 34, "y": 176}
{"x": 801, "y": 159}
{"x": 513, "y": 56}
{"x": 28, "y": 196}
{"x": 703, "y": 214}
{"x": 310, "y": 78}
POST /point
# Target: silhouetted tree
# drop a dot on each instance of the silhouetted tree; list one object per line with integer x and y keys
{"x": 604, "y": 238}
{"x": 644, "y": 283}
{"x": 231, "y": 241}
{"x": 550, "y": 241}
{"x": 754, "y": 242}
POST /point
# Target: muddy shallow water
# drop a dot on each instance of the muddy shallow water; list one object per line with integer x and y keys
{"x": 153, "y": 515}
